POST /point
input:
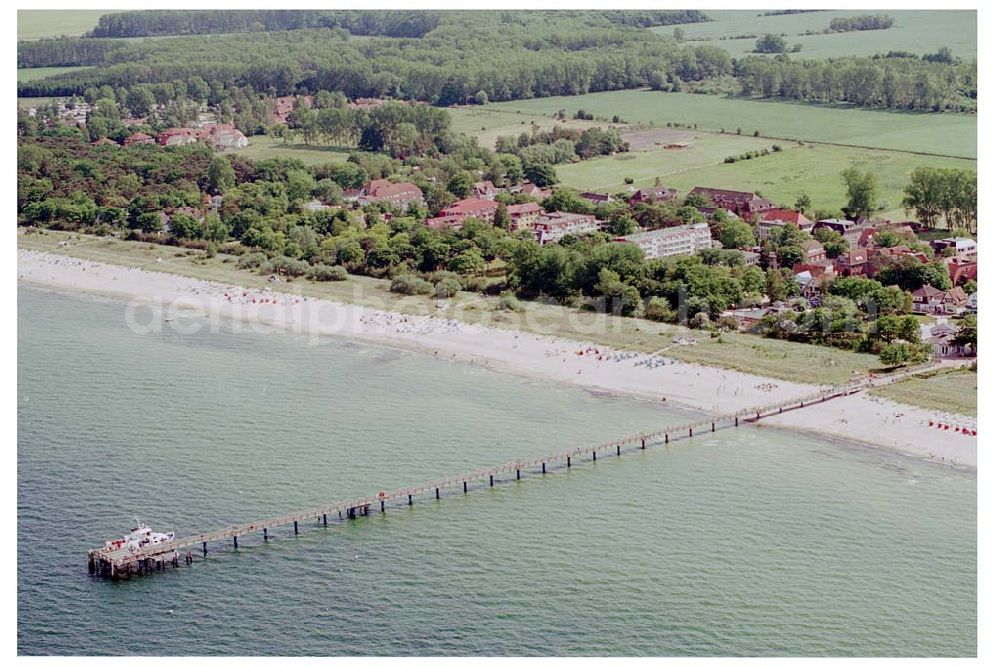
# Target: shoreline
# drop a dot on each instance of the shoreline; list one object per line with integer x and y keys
{"x": 162, "y": 299}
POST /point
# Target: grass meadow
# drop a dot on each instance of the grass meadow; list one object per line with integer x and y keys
{"x": 34, "y": 73}
{"x": 812, "y": 169}
{"x": 917, "y": 31}
{"x": 263, "y": 148}
{"x": 41, "y": 23}
{"x": 953, "y": 392}
{"x": 487, "y": 125}
{"x": 952, "y": 135}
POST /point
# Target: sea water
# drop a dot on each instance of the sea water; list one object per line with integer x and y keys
{"x": 745, "y": 542}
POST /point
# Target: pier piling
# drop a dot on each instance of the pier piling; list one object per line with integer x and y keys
{"x": 236, "y": 544}
{"x": 465, "y": 486}
{"x": 491, "y": 480}
{"x": 437, "y": 493}
{"x": 543, "y": 468}
{"x": 595, "y": 455}
{"x": 324, "y": 520}
{"x": 409, "y": 500}
{"x": 713, "y": 426}
{"x": 518, "y": 473}
{"x": 265, "y": 535}
{"x": 295, "y": 526}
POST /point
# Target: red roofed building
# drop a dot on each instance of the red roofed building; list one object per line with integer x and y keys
{"x": 485, "y": 189}
{"x": 176, "y": 136}
{"x": 104, "y": 141}
{"x": 283, "y": 106}
{"x": 652, "y": 195}
{"x": 775, "y": 218}
{"x": 962, "y": 270}
{"x": 744, "y": 204}
{"x": 854, "y": 262}
{"x": 523, "y": 216}
{"x": 597, "y": 197}
{"x": 395, "y": 194}
{"x": 930, "y": 300}
{"x": 471, "y": 208}
{"x": 445, "y": 222}
{"x": 139, "y": 138}
{"x": 530, "y": 189}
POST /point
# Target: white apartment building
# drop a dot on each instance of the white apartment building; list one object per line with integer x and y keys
{"x": 667, "y": 242}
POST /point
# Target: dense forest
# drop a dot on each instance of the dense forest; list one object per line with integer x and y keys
{"x": 394, "y": 23}
{"x": 150, "y": 23}
{"x": 464, "y": 57}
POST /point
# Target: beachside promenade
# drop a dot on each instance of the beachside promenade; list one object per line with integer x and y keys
{"x": 124, "y": 563}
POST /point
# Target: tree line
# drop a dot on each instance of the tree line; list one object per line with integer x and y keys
{"x": 894, "y": 83}
{"x": 149, "y": 23}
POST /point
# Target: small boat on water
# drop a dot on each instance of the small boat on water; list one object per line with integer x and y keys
{"x": 138, "y": 537}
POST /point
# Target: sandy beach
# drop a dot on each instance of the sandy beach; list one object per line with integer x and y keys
{"x": 159, "y": 299}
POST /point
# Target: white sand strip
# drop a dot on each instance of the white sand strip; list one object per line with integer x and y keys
{"x": 595, "y": 367}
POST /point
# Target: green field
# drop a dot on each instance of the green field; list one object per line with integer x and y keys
{"x": 34, "y": 73}
{"x": 917, "y": 31}
{"x": 811, "y": 169}
{"x": 487, "y": 125}
{"x": 263, "y": 148}
{"x": 938, "y": 133}
{"x": 953, "y": 392}
{"x": 644, "y": 166}
{"x": 40, "y": 23}
{"x": 28, "y": 102}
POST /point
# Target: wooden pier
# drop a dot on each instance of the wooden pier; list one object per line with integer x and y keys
{"x": 123, "y": 563}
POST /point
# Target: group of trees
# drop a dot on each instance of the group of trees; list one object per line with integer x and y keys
{"x": 772, "y": 43}
{"x": 866, "y": 22}
{"x": 560, "y": 144}
{"x": 933, "y": 193}
{"x": 895, "y": 83}
{"x": 395, "y": 128}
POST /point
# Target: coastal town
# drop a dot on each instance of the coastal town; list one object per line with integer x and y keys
{"x": 813, "y": 257}
{"x": 333, "y": 304}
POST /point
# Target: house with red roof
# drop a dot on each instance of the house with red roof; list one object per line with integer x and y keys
{"x": 652, "y": 195}
{"x": 775, "y": 218}
{"x": 481, "y": 208}
{"x": 396, "y": 194}
{"x": 854, "y": 262}
{"x": 528, "y": 188}
{"x": 962, "y": 270}
{"x": 485, "y": 189}
{"x": 931, "y": 300}
{"x": 177, "y": 136}
{"x": 139, "y": 138}
{"x": 744, "y": 204}
{"x": 523, "y": 216}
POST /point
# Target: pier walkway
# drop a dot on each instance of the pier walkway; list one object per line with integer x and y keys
{"x": 123, "y": 563}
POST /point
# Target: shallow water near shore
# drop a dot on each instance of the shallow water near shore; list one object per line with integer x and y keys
{"x": 747, "y": 542}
